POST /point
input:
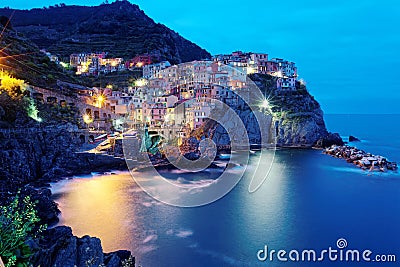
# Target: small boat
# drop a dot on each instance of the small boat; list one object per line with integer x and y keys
{"x": 224, "y": 156}
{"x": 101, "y": 137}
{"x": 255, "y": 146}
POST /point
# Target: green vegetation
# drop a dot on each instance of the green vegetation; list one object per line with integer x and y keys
{"x": 23, "y": 60}
{"x": 14, "y": 104}
{"x": 19, "y": 224}
{"x": 298, "y": 103}
{"x": 118, "y": 80}
{"x": 54, "y": 113}
{"x": 129, "y": 262}
{"x": 11, "y": 97}
{"x": 120, "y": 28}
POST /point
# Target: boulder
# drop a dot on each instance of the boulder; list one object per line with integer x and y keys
{"x": 328, "y": 140}
{"x": 353, "y": 139}
{"x": 60, "y": 248}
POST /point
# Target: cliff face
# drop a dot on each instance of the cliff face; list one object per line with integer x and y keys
{"x": 294, "y": 119}
{"x": 297, "y": 117}
{"x": 228, "y": 131}
{"x": 120, "y": 28}
{"x": 30, "y": 154}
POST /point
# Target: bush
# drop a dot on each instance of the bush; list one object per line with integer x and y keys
{"x": 19, "y": 224}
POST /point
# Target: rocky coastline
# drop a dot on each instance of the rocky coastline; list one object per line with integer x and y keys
{"x": 362, "y": 159}
{"x": 33, "y": 158}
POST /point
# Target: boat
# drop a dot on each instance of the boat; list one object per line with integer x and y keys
{"x": 224, "y": 156}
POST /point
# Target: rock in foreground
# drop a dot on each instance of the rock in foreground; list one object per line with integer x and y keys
{"x": 60, "y": 248}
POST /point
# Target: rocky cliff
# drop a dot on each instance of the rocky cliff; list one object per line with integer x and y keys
{"x": 30, "y": 154}
{"x": 293, "y": 119}
{"x": 297, "y": 117}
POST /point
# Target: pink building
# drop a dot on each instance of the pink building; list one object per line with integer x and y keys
{"x": 154, "y": 113}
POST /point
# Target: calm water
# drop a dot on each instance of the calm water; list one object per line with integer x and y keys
{"x": 308, "y": 202}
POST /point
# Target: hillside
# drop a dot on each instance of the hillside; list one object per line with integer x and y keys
{"x": 120, "y": 28}
{"x": 23, "y": 59}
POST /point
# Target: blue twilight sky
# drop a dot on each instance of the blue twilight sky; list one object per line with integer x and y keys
{"x": 346, "y": 51}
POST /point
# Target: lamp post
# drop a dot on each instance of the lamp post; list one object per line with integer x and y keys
{"x": 87, "y": 119}
{"x": 100, "y": 99}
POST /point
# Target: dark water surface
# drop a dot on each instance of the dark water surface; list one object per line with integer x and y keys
{"x": 309, "y": 201}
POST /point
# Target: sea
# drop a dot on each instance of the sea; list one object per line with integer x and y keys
{"x": 309, "y": 202}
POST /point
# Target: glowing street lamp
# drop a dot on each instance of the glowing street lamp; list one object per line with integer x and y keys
{"x": 100, "y": 100}
{"x": 141, "y": 83}
{"x": 265, "y": 104}
{"x": 250, "y": 70}
{"x": 87, "y": 119}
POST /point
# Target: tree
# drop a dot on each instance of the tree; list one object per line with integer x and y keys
{"x": 11, "y": 86}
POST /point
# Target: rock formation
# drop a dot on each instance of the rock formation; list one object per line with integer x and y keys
{"x": 59, "y": 247}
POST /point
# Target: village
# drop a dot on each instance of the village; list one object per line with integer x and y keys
{"x": 171, "y": 99}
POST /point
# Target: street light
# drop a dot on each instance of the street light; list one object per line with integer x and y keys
{"x": 87, "y": 119}
{"x": 141, "y": 83}
{"x": 265, "y": 104}
{"x": 100, "y": 100}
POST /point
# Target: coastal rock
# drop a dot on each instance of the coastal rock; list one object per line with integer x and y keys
{"x": 297, "y": 117}
{"x": 114, "y": 259}
{"x": 47, "y": 209}
{"x": 59, "y": 247}
{"x": 361, "y": 159}
{"x": 48, "y": 154}
{"x": 329, "y": 140}
{"x": 2, "y": 112}
{"x": 353, "y": 139}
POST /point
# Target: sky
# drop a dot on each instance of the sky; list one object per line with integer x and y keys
{"x": 346, "y": 51}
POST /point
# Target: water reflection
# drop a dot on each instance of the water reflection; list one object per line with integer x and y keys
{"x": 303, "y": 204}
{"x": 98, "y": 207}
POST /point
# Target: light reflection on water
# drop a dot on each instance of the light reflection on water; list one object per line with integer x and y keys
{"x": 306, "y": 202}
{"x": 98, "y": 207}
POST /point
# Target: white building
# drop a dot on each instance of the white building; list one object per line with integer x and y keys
{"x": 154, "y": 70}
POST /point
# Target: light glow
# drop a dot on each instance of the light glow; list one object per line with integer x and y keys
{"x": 302, "y": 81}
{"x": 141, "y": 83}
{"x": 64, "y": 65}
{"x": 251, "y": 70}
{"x": 100, "y": 99}
{"x": 278, "y": 74}
{"x": 265, "y": 104}
{"x": 87, "y": 119}
{"x": 10, "y": 85}
{"x": 33, "y": 111}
